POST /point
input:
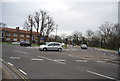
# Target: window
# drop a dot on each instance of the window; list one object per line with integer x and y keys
{"x": 14, "y": 39}
{"x": 7, "y": 34}
{"x": 28, "y": 36}
{"x": 21, "y": 40}
{"x": 33, "y": 37}
{"x": 7, "y": 39}
{"x": 21, "y": 35}
{"x": 51, "y": 45}
{"x": 57, "y": 44}
{"x": 15, "y": 35}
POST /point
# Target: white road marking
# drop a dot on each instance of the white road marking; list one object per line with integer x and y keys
{"x": 81, "y": 60}
{"x": 115, "y": 61}
{"x": 101, "y": 75}
{"x": 77, "y": 57}
{"x": 58, "y": 61}
{"x": 36, "y": 59}
{"x": 14, "y": 57}
{"x": 22, "y": 72}
{"x": 100, "y": 61}
{"x": 114, "y": 56}
{"x": 21, "y": 52}
{"x": 104, "y": 54}
{"x": 10, "y": 63}
{"x": 51, "y": 59}
{"x": 106, "y": 59}
{"x": 45, "y": 57}
{"x": 1, "y": 59}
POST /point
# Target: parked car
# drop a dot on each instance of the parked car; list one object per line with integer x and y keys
{"x": 51, "y": 46}
{"x": 62, "y": 44}
{"x": 73, "y": 44}
{"x": 16, "y": 43}
{"x": 119, "y": 51}
{"x": 24, "y": 43}
{"x": 84, "y": 46}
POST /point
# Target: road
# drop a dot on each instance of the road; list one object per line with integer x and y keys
{"x": 72, "y": 63}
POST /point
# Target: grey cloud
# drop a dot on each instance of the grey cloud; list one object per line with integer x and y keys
{"x": 70, "y": 16}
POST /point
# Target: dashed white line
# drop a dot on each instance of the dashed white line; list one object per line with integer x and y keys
{"x": 22, "y": 72}
{"x": 101, "y": 75}
{"x": 114, "y": 56}
{"x": 77, "y": 57}
{"x": 15, "y": 58}
{"x": 104, "y": 54}
{"x": 36, "y": 59}
{"x": 21, "y": 52}
{"x": 45, "y": 57}
{"x": 10, "y": 63}
{"x": 52, "y": 59}
{"x": 106, "y": 59}
{"x": 81, "y": 60}
{"x": 58, "y": 61}
{"x": 1, "y": 59}
{"x": 100, "y": 61}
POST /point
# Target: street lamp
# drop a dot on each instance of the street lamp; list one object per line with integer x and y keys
{"x": 56, "y": 33}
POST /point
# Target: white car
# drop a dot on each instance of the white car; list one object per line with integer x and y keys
{"x": 84, "y": 46}
{"x": 16, "y": 43}
{"x": 51, "y": 46}
{"x": 62, "y": 44}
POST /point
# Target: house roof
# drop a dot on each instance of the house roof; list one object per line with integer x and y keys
{"x": 15, "y": 30}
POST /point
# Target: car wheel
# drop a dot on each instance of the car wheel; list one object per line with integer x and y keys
{"x": 60, "y": 49}
{"x": 44, "y": 49}
{"x": 39, "y": 49}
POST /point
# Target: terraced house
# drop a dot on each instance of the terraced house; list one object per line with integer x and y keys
{"x": 14, "y": 35}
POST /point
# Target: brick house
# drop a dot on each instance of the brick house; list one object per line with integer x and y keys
{"x": 14, "y": 35}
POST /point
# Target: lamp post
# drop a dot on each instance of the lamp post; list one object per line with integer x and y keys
{"x": 56, "y": 33}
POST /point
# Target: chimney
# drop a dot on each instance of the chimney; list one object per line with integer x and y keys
{"x": 17, "y": 28}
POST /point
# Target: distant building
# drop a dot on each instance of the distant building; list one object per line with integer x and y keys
{"x": 14, "y": 35}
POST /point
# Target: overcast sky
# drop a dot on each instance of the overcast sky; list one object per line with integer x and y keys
{"x": 69, "y": 15}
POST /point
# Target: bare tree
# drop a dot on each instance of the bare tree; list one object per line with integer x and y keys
{"x": 63, "y": 36}
{"x": 43, "y": 24}
{"x": 107, "y": 34}
{"x": 116, "y": 34}
{"x": 92, "y": 38}
{"x": 44, "y": 17}
{"x": 37, "y": 18}
{"x": 28, "y": 25}
{"x": 3, "y": 24}
{"x": 77, "y": 36}
{"x": 49, "y": 28}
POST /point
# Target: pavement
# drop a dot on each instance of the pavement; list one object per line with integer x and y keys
{"x": 72, "y": 63}
{"x": 6, "y": 74}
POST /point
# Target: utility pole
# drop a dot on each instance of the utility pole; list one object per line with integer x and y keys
{"x": 56, "y": 33}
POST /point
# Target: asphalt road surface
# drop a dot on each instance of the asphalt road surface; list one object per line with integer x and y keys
{"x": 72, "y": 63}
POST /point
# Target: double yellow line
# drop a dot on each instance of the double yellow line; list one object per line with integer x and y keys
{"x": 16, "y": 71}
